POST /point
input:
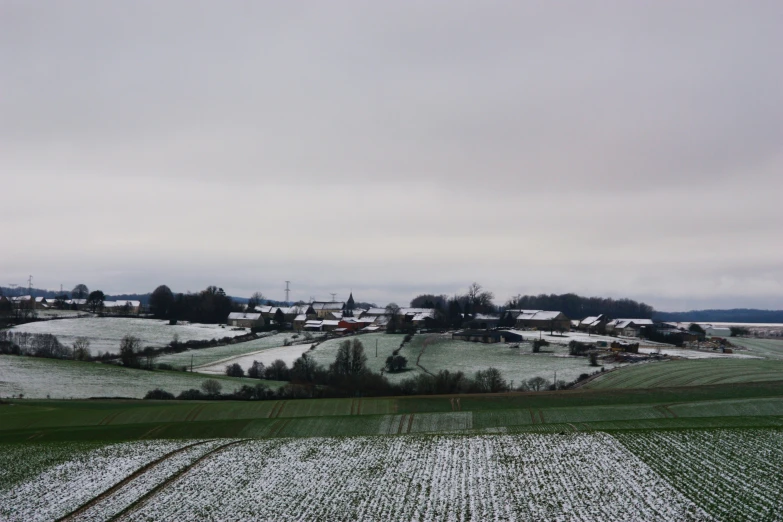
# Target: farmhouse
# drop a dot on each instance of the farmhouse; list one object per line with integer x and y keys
{"x": 122, "y": 307}
{"x": 717, "y": 331}
{"x": 299, "y": 322}
{"x": 593, "y": 323}
{"x": 76, "y": 304}
{"x": 350, "y": 324}
{"x": 540, "y": 319}
{"x": 244, "y": 319}
{"x": 323, "y": 309}
{"x": 330, "y": 325}
{"x": 482, "y": 321}
{"x": 487, "y": 336}
{"x": 313, "y": 325}
{"x": 628, "y": 327}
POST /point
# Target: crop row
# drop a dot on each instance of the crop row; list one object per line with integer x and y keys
{"x": 133, "y": 490}
{"x": 734, "y": 474}
{"x": 64, "y": 487}
{"x": 574, "y": 476}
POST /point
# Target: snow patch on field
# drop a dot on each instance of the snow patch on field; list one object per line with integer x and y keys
{"x": 134, "y": 490}
{"x": 105, "y": 333}
{"x": 696, "y": 354}
{"x": 288, "y": 354}
{"x": 63, "y": 488}
{"x": 497, "y": 477}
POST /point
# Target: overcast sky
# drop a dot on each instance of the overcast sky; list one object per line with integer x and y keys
{"x": 625, "y": 149}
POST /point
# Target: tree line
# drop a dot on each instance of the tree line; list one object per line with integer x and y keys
{"x": 210, "y": 306}
{"x": 349, "y": 376}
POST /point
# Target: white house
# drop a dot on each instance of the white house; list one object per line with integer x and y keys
{"x": 244, "y": 319}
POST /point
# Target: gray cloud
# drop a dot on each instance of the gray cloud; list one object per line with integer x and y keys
{"x": 628, "y": 149}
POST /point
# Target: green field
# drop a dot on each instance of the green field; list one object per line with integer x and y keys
{"x": 767, "y": 348}
{"x": 38, "y": 378}
{"x": 690, "y": 373}
{"x": 751, "y": 404}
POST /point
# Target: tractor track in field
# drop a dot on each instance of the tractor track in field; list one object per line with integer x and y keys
{"x": 108, "y": 419}
{"x": 154, "y": 491}
{"x": 139, "y": 472}
{"x": 192, "y": 414}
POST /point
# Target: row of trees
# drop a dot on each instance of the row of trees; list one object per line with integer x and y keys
{"x": 578, "y": 307}
{"x": 43, "y": 345}
{"x": 211, "y": 305}
{"x": 349, "y": 376}
{"x": 478, "y": 300}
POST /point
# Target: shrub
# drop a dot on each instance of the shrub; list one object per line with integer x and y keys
{"x": 538, "y": 343}
{"x": 396, "y": 363}
{"x": 159, "y": 395}
{"x": 190, "y": 395}
{"x": 235, "y": 370}
{"x": 211, "y": 387}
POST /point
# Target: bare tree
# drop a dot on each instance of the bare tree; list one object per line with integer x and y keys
{"x": 393, "y": 313}
{"x": 490, "y": 381}
{"x": 211, "y": 387}
{"x": 129, "y": 351}
{"x": 80, "y": 291}
{"x": 81, "y": 349}
{"x": 538, "y": 383}
{"x": 256, "y": 299}
{"x": 480, "y": 299}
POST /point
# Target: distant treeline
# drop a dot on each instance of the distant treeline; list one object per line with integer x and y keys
{"x": 578, "y": 307}
{"x": 53, "y": 294}
{"x": 736, "y": 315}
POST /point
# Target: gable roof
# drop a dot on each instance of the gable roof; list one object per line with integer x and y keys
{"x": 375, "y": 311}
{"x": 244, "y": 315}
{"x": 592, "y": 320}
{"x": 327, "y": 305}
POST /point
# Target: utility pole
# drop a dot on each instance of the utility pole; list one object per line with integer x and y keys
{"x": 30, "y": 286}
{"x": 376, "y": 347}
{"x": 287, "y": 291}
{"x": 334, "y": 297}
{"x": 191, "y": 363}
{"x": 555, "y": 380}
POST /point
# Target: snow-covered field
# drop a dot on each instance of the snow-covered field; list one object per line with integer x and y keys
{"x": 326, "y": 352}
{"x": 64, "y": 487}
{"x": 38, "y": 378}
{"x": 58, "y": 314}
{"x": 288, "y": 354}
{"x": 582, "y": 337}
{"x": 105, "y": 333}
{"x": 698, "y": 475}
{"x": 696, "y": 354}
{"x": 440, "y": 352}
{"x": 205, "y": 356}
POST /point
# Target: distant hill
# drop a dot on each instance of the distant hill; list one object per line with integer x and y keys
{"x": 735, "y": 315}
